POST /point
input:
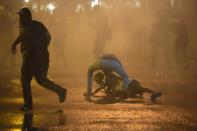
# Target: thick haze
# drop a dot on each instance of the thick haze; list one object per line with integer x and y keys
{"x": 142, "y": 34}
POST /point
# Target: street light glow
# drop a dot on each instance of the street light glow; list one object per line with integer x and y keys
{"x": 94, "y": 3}
{"x": 51, "y": 7}
{"x": 26, "y": 1}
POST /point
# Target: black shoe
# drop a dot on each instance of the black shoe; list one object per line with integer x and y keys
{"x": 155, "y": 96}
{"x": 25, "y": 108}
{"x": 62, "y": 95}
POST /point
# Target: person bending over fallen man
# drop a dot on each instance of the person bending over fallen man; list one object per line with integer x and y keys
{"x": 109, "y": 64}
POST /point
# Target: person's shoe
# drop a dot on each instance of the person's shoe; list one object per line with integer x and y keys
{"x": 155, "y": 96}
{"x": 62, "y": 95}
{"x": 25, "y": 108}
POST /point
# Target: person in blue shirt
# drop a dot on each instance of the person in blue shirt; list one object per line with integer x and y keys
{"x": 111, "y": 65}
{"x": 108, "y": 64}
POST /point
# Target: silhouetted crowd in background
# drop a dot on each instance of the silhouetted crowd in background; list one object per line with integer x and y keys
{"x": 156, "y": 33}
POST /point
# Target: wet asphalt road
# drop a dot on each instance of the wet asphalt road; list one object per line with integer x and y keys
{"x": 174, "y": 111}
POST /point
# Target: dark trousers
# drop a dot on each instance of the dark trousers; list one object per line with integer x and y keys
{"x": 38, "y": 69}
{"x": 136, "y": 88}
{"x": 27, "y": 122}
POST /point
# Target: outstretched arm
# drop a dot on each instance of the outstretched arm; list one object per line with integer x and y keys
{"x": 92, "y": 68}
{"x": 16, "y": 42}
{"x": 102, "y": 86}
{"x": 97, "y": 90}
{"x": 24, "y": 33}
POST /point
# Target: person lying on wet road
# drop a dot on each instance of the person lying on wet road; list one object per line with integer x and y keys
{"x": 112, "y": 87}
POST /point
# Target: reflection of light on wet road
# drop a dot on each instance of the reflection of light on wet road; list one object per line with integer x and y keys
{"x": 11, "y": 121}
{"x": 18, "y": 100}
{"x": 12, "y": 100}
{"x": 16, "y": 119}
{"x": 16, "y": 129}
{"x": 77, "y": 114}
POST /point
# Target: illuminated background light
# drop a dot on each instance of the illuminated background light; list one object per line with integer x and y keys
{"x": 94, "y": 3}
{"x": 50, "y": 7}
{"x": 26, "y": 1}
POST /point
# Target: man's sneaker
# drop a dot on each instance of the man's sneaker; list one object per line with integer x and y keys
{"x": 24, "y": 108}
{"x": 62, "y": 95}
{"x": 155, "y": 96}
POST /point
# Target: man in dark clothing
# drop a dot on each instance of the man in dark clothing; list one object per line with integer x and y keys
{"x": 34, "y": 39}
